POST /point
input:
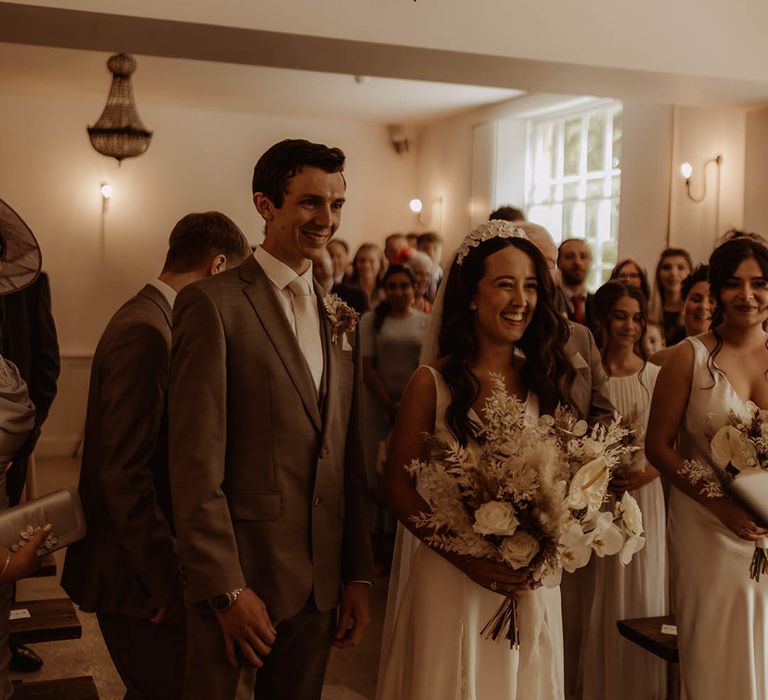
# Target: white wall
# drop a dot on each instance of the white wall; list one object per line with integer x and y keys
{"x": 198, "y": 160}
{"x": 756, "y": 172}
{"x": 701, "y": 134}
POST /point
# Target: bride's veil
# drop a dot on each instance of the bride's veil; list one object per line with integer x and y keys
{"x": 407, "y": 544}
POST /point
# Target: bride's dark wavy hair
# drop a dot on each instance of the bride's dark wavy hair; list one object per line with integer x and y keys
{"x": 723, "y": 263}
{"x": 547, "y": 369}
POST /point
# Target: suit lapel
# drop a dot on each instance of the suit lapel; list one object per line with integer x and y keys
{"x": 261, "y": 294}
{"x": 155, "y": 295}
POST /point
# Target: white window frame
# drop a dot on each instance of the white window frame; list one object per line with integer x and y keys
{"x": 604, "y": 241}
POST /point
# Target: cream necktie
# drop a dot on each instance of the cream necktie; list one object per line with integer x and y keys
{"x": 307, "y": 327}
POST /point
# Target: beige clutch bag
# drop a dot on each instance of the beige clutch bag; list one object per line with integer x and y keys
{"x": 60, "y": 508}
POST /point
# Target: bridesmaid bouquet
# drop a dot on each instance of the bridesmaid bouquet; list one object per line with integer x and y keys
{"x": 530, "y": 496}
{"x": 740, "y": 455}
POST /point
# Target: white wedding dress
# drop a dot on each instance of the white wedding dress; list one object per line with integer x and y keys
{"x": 614, "y": 667}
{"x": 722, "y": 614}
{"x": 432, "y": 648}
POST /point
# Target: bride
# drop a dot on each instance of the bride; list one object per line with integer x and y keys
{"x": 722, "y": 614}
{"x": 496, "y": 316}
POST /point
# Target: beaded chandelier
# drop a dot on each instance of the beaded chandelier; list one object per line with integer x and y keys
{"x": 119, "y": 133}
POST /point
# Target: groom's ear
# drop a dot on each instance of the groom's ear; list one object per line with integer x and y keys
{"x": 264, "y": 206}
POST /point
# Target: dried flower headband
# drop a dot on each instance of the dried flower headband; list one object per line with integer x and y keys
{"x": 491, "y": 229}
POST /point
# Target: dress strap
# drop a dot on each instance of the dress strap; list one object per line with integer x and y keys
{"x": 701, "y": 377}
{"x": 442, "y": 395}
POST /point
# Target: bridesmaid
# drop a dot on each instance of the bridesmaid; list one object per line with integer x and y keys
{"x": 614, "y": 668}
{"x": 722, "y": 614}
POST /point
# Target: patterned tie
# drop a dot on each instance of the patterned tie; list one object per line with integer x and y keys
{"x": 307, "y": 328}
{"x": 578, "y": 308}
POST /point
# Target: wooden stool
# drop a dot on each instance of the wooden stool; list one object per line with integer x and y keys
{"x": 81, "y": 688}
{"x": 646, "y": 632}
{"x": 48, "y": 621}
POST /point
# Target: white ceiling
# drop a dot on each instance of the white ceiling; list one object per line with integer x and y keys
{"x": 714, "y": 38}
{"x": 243, "y": 88}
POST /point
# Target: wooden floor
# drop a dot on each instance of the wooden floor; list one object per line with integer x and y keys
{"x": 351, "y": 674}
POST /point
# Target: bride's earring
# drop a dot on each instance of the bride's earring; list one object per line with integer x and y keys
{"x": 472, "y": 306}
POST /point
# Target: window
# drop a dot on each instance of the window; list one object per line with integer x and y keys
{"x": 573, "y": 182}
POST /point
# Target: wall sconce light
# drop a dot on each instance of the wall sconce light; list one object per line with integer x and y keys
{"x": 429, "y": 215}
{"x": 686, "y": 170}
{"x": 106, "y": 194}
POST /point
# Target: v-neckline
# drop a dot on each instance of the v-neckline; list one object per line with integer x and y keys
{"x": 721, "y": 372}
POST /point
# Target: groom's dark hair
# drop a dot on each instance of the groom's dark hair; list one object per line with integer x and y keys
{"x": 285, "y": 159}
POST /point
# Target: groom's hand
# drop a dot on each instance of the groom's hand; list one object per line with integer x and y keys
{"x": 354, "y": 615}
{"x": 246, "y": 626}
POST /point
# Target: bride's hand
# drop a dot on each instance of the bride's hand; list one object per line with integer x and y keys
{"x": 494, "y": 576}
{"x": 738, "y": 521}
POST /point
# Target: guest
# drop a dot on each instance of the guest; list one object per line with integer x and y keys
{"x": 615, "y": 668}
{"x": 697, "y": 311}
{"x": 630, "y": 272}
{"x": 721, "y": 613}
{"x": 322, "y": 271}
{"x": 125, "y": 569}
{"x": 266, "y": 464}
{"x": 421, "y": 264}
{"x": 413, "y": 240}
{"x": 667, "y": 301}
{"x": 653, "y": 341}
{"x": 342, "y": 269}
{"x": 574, "y": 260}
{"x": 395, "y": 246}
{"x": 29, "y": 341}
{"x": 20, "y": 262}
{"x": 391, "y": 335}
{"x": 431, "y": 243}
{"x": 368, "y": 268}
{"x": 508, "y": 213}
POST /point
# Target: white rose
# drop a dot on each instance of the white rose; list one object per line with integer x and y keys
{"x": 495, "y": 518}
{"x": 588, "y": 485}
{"x": 606, "y": 539}
{"x": 518, "y": 550}
{"x": 630, "y": 513}
{"x": 546, "y": 421}
{"x": 633, "y": 545}
{"x": 575, "y": 549}
{"x": 580, "y": 428}
{"x": 731, "y": 446}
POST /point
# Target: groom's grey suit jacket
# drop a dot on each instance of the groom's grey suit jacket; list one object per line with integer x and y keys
{"x": 589, "y": 392}
{"x": 267, "y": 478}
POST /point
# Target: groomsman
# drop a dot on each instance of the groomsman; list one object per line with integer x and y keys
{"x": 267, "y": 472}
{"x": 125, "y": 569}
{"x": 574, "y": 260}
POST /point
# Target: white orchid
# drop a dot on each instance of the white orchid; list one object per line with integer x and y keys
{"x": 606, "y": 539}
{"x": 631, "y": 516}
{"x": 631, "y": 547}
{"x": 575, "y": 548}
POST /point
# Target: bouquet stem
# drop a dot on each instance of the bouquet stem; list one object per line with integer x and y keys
{"x": 759, "y": 560}
{"x": 505, "y": 617}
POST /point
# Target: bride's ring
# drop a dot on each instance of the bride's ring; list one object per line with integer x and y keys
{"x": 494, "y": 586}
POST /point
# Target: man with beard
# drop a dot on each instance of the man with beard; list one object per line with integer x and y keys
{"x": 574, "y": 260}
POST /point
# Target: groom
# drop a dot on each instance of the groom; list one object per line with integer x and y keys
{"x": 267, "y": 475}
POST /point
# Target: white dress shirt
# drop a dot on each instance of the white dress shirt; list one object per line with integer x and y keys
{"x": 280, "y": 275}
{"x": 165, "y": 289}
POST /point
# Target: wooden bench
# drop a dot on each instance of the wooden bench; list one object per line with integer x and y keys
{"x": 81, "y": 688}
{"x": 49, "y": 621}
{"x": 646, "y": 632}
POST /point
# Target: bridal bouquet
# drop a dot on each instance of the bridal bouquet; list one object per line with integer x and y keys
{"x": 530, "y": 496}
{"x": 740, "y": 456}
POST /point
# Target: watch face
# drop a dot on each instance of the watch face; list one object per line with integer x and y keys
{"x": 220, "y": 602}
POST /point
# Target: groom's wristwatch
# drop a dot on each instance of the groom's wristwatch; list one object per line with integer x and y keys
{"x": 220, "y": 603}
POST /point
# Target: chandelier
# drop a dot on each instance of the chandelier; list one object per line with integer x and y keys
{"x": 119, "y": 133}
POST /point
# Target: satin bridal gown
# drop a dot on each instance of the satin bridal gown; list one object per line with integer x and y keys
{"x": 432, "y": 648}
{"x": 614, "y": 667}
{"x": 722, "y": 614}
